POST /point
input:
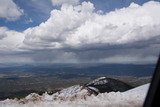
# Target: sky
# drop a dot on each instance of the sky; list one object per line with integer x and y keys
{"x": 79, "y": 31}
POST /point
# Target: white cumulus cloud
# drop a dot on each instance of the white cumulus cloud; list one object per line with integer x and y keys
{"x": 10, "y": 40}
{"x": 80, "y": 26}
{"x": 3, "y": 32}
{"x": 60, "y": 2}
{"x": 9, "y": 10}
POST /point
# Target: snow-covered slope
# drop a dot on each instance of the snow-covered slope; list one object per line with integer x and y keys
{"x": 77, "y": 96}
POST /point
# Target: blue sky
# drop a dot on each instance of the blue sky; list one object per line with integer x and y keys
{"x": 38, "y": 11}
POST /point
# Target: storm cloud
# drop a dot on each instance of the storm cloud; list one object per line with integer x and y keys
{"x": 78, "y": 33}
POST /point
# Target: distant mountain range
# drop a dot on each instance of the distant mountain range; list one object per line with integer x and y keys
{"x": 83, "y": 69}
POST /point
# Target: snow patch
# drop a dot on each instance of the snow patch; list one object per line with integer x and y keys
{"x": 77, "y": 96}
